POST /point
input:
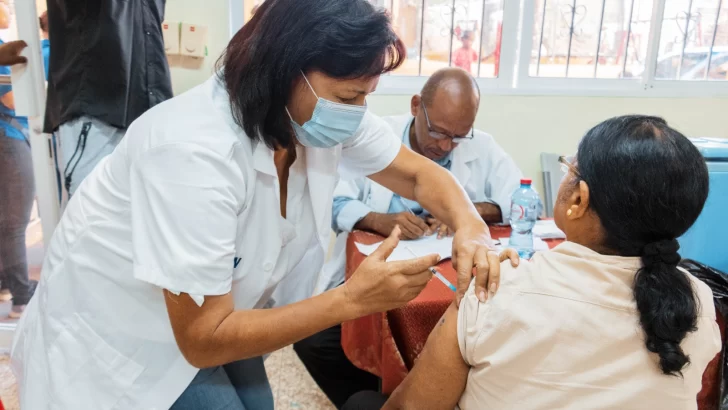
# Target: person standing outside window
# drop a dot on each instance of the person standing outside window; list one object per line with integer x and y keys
{"x": 108, "y": 66}
{"x": 465, "y": 56}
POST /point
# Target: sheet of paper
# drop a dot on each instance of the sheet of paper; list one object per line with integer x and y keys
{"x": 547, "y": 230}
{"x": 420, "y": 247}
{"x": 538, "y": 244}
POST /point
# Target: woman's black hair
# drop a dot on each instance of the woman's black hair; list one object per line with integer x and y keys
{"x": 344, "y": 39}
{"x": 648, "y": 184}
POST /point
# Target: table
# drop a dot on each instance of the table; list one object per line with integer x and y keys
{"x": 387, "y": 344}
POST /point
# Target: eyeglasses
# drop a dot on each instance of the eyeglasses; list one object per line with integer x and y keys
{"x": 440, "y": 136}
{"x": 567, "y": 164}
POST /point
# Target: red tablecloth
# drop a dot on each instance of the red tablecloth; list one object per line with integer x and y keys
{"x": 387, "y": 344}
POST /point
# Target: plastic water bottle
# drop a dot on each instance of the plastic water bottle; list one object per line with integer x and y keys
{"x": 525, "y": 208}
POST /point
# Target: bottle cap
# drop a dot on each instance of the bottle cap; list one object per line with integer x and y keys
{"x": 526, "y": 181}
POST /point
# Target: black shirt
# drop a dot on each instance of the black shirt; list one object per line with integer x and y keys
{"x": 107, "y": 60}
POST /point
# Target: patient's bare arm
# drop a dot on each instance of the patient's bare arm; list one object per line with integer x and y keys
{"x": 438, "y": 379}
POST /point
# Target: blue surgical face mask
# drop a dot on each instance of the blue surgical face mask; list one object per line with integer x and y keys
{"x": 331, "y": 123}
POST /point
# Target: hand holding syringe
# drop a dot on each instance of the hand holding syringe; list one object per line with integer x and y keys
{"x": 437, "y": 274}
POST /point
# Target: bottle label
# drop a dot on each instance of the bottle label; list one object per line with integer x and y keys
{"x": 519, "y": 212}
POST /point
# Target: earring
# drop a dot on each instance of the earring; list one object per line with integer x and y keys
{"x": 569, "y": 212}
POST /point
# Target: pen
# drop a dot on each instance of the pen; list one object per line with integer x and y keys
{"x": 404, "y": 204}
{"x": 401, "y": 201}
{"x": 437, "y": 274}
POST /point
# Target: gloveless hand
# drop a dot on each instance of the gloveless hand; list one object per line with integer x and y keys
{"x": 438, "y": 227}
{"x": 411, "y": 226}
{"x": 472, "y": 247}
{"x": 378, "y": 285}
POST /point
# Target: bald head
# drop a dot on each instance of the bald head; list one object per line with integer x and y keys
{"x": 446, "y": 109}
{"x": 454, "y": 82}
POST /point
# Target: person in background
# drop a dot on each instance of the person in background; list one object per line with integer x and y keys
{"x": 605, "y": 320}
{"x": 439, "y": 127}
{"x": 108, "y": 66}
{"x": 17, "y": 189}
{"x": 465, "y": 56}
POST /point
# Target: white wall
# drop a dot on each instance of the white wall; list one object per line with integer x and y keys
{"x": 188, "y": 72}
{"x": 524, "y": 125}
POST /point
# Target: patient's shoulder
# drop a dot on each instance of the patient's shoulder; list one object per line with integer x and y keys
{"x": 705, "y": 296}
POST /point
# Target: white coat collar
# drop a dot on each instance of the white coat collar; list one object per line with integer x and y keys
{"x": 263, "y": 159}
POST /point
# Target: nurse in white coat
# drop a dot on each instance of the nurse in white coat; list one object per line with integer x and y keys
{"x": 440, "y": 127}
{"x": 164, "y": 255}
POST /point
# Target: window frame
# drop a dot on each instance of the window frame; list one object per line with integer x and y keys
{"x": 515, "y": 57}
{"x": 647, "y": 86}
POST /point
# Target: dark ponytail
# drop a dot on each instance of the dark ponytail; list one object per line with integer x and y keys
{"x": 667, "y": 304}
{"x": 648, "y": 184}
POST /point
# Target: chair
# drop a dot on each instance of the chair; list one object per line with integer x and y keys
{"x": 552, "y": 175}
{"x": 709, "y": 397}
{"x": 713, "y": 395}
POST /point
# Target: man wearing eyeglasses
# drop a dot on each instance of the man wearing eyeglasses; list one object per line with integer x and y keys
{"x": 439, "y": 127}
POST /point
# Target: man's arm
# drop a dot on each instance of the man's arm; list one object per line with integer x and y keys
{"x": 350, "y": 214}
{"x": 489, "y": 212}
{"x": 347, "y": 214}
{"x": 412, "y": 226}
{"x": 439, "y": 376}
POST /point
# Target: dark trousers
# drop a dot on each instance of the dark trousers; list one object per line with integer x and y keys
{"x": 325, "y": 360}
{"x": 366, "y": 400}
{"x": 17, "y": 190}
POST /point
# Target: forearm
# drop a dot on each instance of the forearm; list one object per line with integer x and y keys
{"x": 439, "y": 377}
{"x": 371, "y": 223}
{"x": 489, "y": 212}
{"x": 347, "y": 213}
{"x": 440, "y": 193}
{"x": 243, "y": 334}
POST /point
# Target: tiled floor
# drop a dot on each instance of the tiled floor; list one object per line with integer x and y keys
{"x": 293, "y": 387}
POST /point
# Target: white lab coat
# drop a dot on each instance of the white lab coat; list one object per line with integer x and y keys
{"x": 482, "y": 167}
{"x": 188, "y": 203}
